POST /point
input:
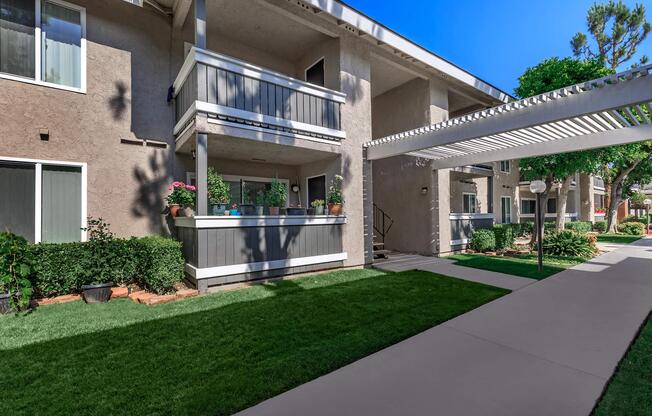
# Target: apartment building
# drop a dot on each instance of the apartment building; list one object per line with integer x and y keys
{"x": 105, "y": 103}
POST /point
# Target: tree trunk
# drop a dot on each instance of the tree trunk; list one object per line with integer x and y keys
{"x": 617, "y": 196}
{"x": 562, "y": 202}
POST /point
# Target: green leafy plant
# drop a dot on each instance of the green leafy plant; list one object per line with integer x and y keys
{"x": 335, "y": 190}
{"x": 600, "y": 226}
{"x": 317, "y": 203}
{"x": 182, "y": 194}
{"x": 569, "y": 243}
{"x": 483, "y": 240}
{"x": 277, "y": 194}
{"x": 504, "y": 236}
{"x": 631, "y": 228}
{"x": 98, "y": 229}
{"x": 261, "y": 199}
{"x": 580, "y": 226}
{"x": 160, "y": 263}
{"x": 15, "y": 269}
{"x": 219, "y": 191}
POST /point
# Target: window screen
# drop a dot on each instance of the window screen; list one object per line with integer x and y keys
{"x": 17, "y": 199}
{"x": 17, "y": 37}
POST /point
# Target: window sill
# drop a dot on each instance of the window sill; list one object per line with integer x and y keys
{"x": 42, "y": 83}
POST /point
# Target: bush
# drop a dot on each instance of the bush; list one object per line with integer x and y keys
{"x": 483, "y": 240}
{"x": 634, "y": 218}
{"x": 15, "y": 267}
{"x": 161, "y": 264}
{"x": 600, "y": 226}
{"x": 569, "y": 243}
{"x": 523, "y": 229}
{"x": 504, "y": 236}
{"x": 579, "y": 226}
{"x": 155, "y": 263}
{"x": 631, "y": 228}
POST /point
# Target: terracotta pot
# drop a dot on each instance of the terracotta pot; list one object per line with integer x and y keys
{"x": 334, "y": 209}
{"x": 188, "y": 211}
{"x": 274, "y": 210}
{"x": 174, "y": 209}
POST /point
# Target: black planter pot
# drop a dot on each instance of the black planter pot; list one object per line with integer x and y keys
{"x": 296, "y": 211}
{"x": 311, "y": 211}
{"x": 248, "y": 209}
{"x": 5, "y": 307}
{"x": 100, "y": 293}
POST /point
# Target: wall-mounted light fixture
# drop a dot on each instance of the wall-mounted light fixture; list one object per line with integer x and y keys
{"x": 44, "y": 134}
{"x": 194, "y": 154}
{"x": 424, "y": 190}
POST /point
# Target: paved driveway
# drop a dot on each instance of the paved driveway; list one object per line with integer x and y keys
{"x": 548, "y": 348}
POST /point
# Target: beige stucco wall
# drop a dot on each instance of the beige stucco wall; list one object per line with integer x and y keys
{"x": 506, "y": 184}
{"x": 460, "y": 184}
{"x": 129, "y": 71}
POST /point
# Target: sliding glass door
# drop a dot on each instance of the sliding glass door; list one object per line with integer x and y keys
{"x": 17, "y": 199}
{"x": 61, "y": 204}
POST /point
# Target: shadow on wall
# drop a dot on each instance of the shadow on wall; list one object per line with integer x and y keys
{"x": 152, "y": 185}
{"x": 119, "y": 102}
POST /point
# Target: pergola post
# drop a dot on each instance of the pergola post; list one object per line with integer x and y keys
{"x": 201, "y": 169}
{"x": 200, "y": 24}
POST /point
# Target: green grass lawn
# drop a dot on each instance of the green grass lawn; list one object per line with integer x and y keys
{"x": 618, "y": 238}
{"x": 630, "y": 391}
{"x": 524, "y": 265}
{"x": 215, "y": 354}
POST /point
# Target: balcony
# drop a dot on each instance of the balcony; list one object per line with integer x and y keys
{"x": 234, "y": 91}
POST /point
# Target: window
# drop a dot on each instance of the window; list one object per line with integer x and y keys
{"x": 470, "y": 206}
{"x": 43, "y": 41}
{"x": 316, "y": 188}
{"x": 45, "y": 200}
{"x": 528, "y": 206}
{"x": 505, "y": 166}
{"x": 552, "y": 206}
{"x": 506, "y": 209}
{"x": 244, "y": 189}
{"x": 598, "y": 200}
{"x": 315, "y": 74}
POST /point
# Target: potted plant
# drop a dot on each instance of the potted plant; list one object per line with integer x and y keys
{"x": 276, "y": 196}
{"x": 335, "y": 199}
{"x": 234, "y": 210}
{"x": 260, "y": 203}
{"x": 318, "y": 206}
{"x": 219, "y": 193}
{"x": 15, "y": 268}
{"x": 181, "y": 199}
{"x": 100, "y": 239}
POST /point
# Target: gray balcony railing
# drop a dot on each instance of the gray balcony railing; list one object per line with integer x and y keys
{"x": 235, "y": 91}
{"x": 463, "y": 225}
{"x": 598, "y": 182}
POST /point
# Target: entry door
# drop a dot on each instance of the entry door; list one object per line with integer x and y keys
{"x": 506, "y": 209}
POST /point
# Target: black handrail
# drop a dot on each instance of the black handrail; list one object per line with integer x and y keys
{"x": 382, "y": 223}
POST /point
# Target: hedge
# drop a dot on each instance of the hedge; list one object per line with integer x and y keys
{"x": 483, "y": 240}
{"x": 504, "y": 236}
{"x": 580, "y": 226}
{"x": 154, "y": 263}
{"x": 632, "y": 228}
{"x": 600, "y": 226}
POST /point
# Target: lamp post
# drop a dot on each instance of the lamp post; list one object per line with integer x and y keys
{"x": 647, "y": 202}
{"x": 537, "y": 188}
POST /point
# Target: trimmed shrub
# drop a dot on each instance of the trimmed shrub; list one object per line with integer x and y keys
{"x": 504, "y": 236}
{"x": 631, "y": 228}
{"x": 161, "y": 264}
{"x": 483, "y": 240}
{"x": 523, "y": 229}
{"x": 600, "y": 226}
{"x": 634, "y": 218}
{"x": 569, "y": 243}
{"x": 579, "y": 226}
{"x": 155, "y": 263}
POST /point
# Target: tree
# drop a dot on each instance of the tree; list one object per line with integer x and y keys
{"x": 617, "y": 31}
{"x": 549, "y": 75}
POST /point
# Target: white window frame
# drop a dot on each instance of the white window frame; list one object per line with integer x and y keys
{"x": 506, "y": 163}
{"x": 521, "y": 206}
{"x": 38, "y": 191}
{"x": 37, "y": 80}
{"x": 475, "y": 202}
{"x": 325, "y": 187}
{"x": 190, "y": 176}
{"x": 509, "y": 219}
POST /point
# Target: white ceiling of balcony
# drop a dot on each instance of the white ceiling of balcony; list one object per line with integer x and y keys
{"x": 603, "y": 112}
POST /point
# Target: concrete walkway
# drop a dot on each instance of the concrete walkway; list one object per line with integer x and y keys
{"x": 546, "y": 349}
{"x": 398, "y": 262}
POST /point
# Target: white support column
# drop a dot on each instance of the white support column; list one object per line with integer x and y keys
{"x": 200, "y": 24}
{"x": 201, "y": 169}
{"x": 38, "y": 186}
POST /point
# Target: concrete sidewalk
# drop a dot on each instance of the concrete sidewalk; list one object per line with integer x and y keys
{"x": 546, "y": 349}
{"x": 399, "y": 262}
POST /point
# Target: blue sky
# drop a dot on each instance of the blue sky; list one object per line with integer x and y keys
{"x": 495, "y": 40}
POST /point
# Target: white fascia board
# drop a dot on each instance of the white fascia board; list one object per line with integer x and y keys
{"x": 257, "y": 221}
{"x": 387, "y": 36}
{"x": 477, "y": 216}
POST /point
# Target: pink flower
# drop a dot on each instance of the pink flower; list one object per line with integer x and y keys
{"x": 191, "y": 188}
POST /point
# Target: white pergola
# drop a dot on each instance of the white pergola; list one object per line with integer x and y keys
{"x": 608, "y": 111}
